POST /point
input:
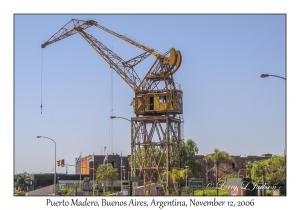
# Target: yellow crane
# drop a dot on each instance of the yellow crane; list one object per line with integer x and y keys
{"x": 157, "y": 103}
{"x": 148, "y": 97}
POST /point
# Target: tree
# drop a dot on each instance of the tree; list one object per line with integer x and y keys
{"x": 22, "y": 181}
{"x": 86, "y": 180}
{"x": 145, "y": 157}
{"x": 107, "y": 174}
{"x": 259, "y": 169}
{"x": 249, "y": 166}
{"x": 271, "y": 171}
{"x": 153, "y": 155}
{"x": 224, "y": 170}
{"x": 188, "y": 150}
{"x": 276, "y": 170}
{"x": 176, "y": 176}
{"x": 217, "y": 157}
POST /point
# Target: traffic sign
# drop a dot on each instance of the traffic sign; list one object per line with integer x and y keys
{"x": 196, "y": 183}
{"x": 135, "y": 185}
{"x": 62, "y": 186}
{"x": 135, "y": 179}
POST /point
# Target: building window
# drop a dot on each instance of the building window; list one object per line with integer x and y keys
{"x": 243, "y": 165}
{"x": 234, "y": 165}
{"x": 114, "y": 164}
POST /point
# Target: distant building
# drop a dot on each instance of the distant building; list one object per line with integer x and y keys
{"x": 238, "y": 167}
{"x": 86, "y": 164}
{"x": 45, "y": 179}
{"x": 207, "y": 173}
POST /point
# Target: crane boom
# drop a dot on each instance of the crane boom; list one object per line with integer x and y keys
{"x": 126, "y": 72}
{"x": 168, "y": 60}
{"x": 82, "y": 25}
{"x": 68, "y": 30}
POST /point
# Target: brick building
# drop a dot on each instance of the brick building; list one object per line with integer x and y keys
{"x": 87, "y": 164}
{"x": 238, "y": 167}
{"x": 207, "y": 173}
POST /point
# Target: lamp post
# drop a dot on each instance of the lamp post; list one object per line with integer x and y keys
{"x": 186, "y": 168}
{"x": 54, "y": 190}
{"x": 121, "y": 177}
{"x": 104, "y": 185}
{"x": 206, "y": 167}
{"x": 134, "y": 167}
{"x": 90, "y": 159}
{"x": 272, "y": 75}
{"x": 112, "y": 117}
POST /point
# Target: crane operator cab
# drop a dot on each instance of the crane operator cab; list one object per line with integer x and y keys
{"x": 158, "y": 103}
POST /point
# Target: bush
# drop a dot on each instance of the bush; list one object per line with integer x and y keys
{"x": 19, "y": 193}
{"x": 269, "y": 192}
{"x": 67, "y": 192}
{"x": 211, "y": 192}
{"x": 109, "y": 192}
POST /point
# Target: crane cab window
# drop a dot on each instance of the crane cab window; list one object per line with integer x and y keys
{"x": 151, "y": 105}
{"x": 162, "y": 99}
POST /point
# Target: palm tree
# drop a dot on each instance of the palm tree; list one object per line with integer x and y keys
{"x": 176, "y": 176}
{"x": 259, "y": 168}
{"x": 217, "y": 157}
{"x": 22, "y": 181}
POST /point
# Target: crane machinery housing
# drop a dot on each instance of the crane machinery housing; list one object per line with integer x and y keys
{"x": 157, "y": 104}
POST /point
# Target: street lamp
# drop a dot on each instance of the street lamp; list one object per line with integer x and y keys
{"x": 186, "y": 168}
{"x": 121, "y": 177}
{"x": 104, "y": 185}
{"x": 206, "y": 171}
{"x": 54, "y": 191}
{"x": 112, "y": 117}
{"x": 271, "y": 75}
{"x": 134, "y": 167}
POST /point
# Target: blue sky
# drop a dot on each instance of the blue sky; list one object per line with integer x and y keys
{"x": 226, "y": 104}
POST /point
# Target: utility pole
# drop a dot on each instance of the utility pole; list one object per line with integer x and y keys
{"x": 103, "y": 185}
{"x": 93, "y": 173}
{"x": 186, "y": 176}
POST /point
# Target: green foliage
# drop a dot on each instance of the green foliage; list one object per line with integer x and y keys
{"x": 67, "y": 192}
{"x": 276, "y": 170}
{"x": 22, "y": 181}
{"x": 110, "y": 192}
{"x": 176, "y": 176}
{"x": 268, "y": 192}
{"x": 86, "y": 180}
{"x": 271, "y": 171}
{"x": 107, "y": 174}
{"x": 211, "y": 192}
{"x": 188, "y": 150}
{"x": 258, "y": 171}
{"x": 217, "y": 156}
{"x": 19, "y": 193}
{"x": 231, "y": 176}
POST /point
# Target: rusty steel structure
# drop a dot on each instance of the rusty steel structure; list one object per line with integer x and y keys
{"x": 157, "y": 104}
